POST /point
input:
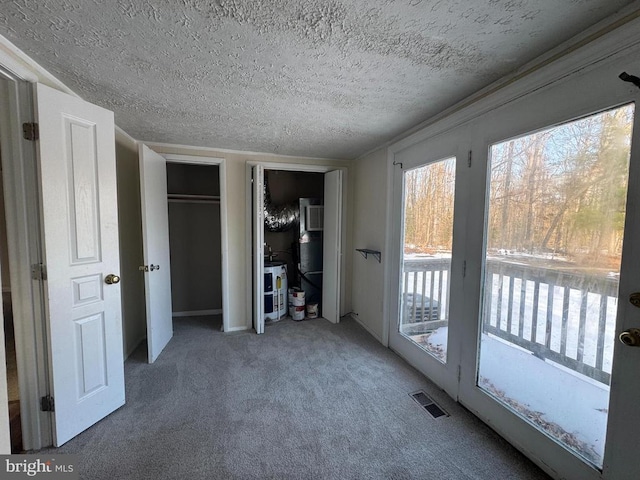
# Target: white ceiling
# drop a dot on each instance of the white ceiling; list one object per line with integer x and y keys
{"x": 315, "y": 78}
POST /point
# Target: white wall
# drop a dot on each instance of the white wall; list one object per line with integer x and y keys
{"x": 369, "y": 229}
{"x": 239, "y": 314}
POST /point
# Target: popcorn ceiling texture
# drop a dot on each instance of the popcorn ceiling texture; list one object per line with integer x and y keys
{"x": 314, "y": 78}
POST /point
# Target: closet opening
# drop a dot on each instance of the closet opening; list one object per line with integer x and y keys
{"x": 193, "y": 195}
{"x": 293, "y": 244}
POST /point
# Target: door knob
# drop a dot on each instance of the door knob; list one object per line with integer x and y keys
{"x": 634, "y": 298}
{"x": 112, "y": 279}
{"x": 631, "y": 337}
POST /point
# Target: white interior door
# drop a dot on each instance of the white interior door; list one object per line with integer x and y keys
{"x": 78, "y": 172}
{"x": 332, "y": 246}
{"x": 258, "y": 248}
{"x": 155, "y": 238}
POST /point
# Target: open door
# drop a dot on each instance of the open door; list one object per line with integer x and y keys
{"x": 258, "y": 247}
{"x": 155, "y": 240}
{"x": 332, "y": 249}
{"x": 80, "y": 221}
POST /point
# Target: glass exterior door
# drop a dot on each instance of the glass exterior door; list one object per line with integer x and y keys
{"x": 554, "y": 236}
{"x": 518, "y": 317}
{"x": 429, "y": 192}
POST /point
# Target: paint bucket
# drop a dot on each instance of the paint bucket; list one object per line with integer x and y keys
{"x": 312, "y": 310}
{"x": 296, "y": 297}
{"x": 297, "y": 313}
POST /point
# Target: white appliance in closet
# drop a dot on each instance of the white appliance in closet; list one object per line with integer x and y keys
{"x": 275, "y": 290}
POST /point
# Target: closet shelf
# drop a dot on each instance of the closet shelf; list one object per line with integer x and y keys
{"x": 185, "y": 198}
{"x": 365, "y": 252}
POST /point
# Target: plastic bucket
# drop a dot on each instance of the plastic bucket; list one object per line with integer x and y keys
{"x": 297, "y": 313}
{"x": 312, "y": 310}
{"x": 296, "y": 297}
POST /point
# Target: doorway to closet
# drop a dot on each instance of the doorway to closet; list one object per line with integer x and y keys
{"x": 306, "y": 201}
{"x": 193, "y": 195}
{"x": 192, "y": 188}
{"x": 293, "y": 240}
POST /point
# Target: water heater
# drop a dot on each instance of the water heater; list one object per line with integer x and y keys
{"x": 275, "y": 299}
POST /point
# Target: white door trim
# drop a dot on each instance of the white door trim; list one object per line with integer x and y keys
{"x": 295, "y": 167}
{"x": 332, "y": 246}
{"x": 224, "y": 221}
{"x": 257, "y": 251}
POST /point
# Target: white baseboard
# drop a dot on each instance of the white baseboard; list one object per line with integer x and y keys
{"x": 197, "y": 313}
{"x": 366, "y": 327}
{"x": 237, "y": 329}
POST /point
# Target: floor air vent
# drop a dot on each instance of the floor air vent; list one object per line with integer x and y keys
{"x": 428, "y": 404}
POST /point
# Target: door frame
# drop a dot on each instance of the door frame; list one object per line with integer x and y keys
{"x": 224, "y": 238}
{"x": 25, "y": 249}
{"x": 293, "y": 167}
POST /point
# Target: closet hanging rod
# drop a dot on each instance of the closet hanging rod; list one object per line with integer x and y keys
{"x": 203, "y": 202}
{"x": 193, "y": 198}
{"x": 188, "y": 196}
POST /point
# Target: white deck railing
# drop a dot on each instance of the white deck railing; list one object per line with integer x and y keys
{"x": 560, "y": 316}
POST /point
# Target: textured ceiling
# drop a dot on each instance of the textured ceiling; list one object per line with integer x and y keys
{"x": 315, "y": 78}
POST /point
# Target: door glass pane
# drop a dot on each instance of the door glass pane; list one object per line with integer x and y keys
{"x": 426, "y": 258}
{"x": 554, "y": 241}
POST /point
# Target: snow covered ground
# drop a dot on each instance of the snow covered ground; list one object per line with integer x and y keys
{"x": 576, "y": 403}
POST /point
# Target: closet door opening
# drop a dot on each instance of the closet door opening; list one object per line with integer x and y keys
{"x": 293, "y": 244}
{"x": 195, "y": 238}
{"x": 296, "y": 224}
